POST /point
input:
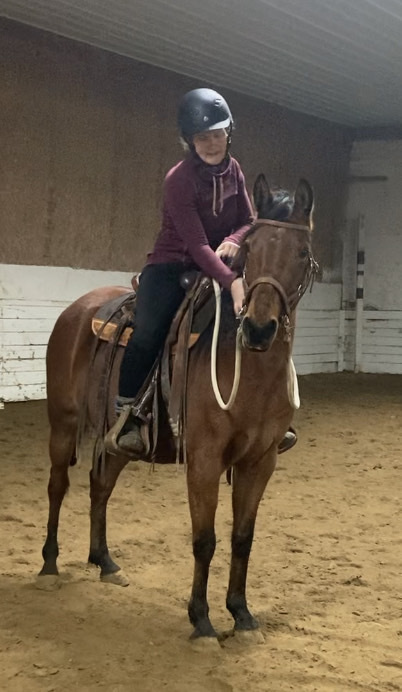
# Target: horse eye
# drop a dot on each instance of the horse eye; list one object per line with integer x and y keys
{"x": 304, "y": 253}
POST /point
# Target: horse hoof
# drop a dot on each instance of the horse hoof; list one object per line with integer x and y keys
{"x": 48, "y": 582}
{"x": 249, "y": 636}
{"x": 206, "y": 644}
{"x": 117, "y": 578}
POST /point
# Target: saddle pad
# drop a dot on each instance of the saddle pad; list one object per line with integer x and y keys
{"x": 110, "y": 329}
{"x": 114, "y": 314}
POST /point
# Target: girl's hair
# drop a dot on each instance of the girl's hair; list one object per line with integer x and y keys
{"x": 185, "y": 145}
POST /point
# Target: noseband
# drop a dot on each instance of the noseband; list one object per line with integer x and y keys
{"x": 288, "y": 302}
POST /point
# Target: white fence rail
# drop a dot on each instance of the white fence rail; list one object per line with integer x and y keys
{"x": 31, "y": 299}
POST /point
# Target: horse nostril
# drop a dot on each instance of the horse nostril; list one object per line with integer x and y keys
{"x": 259, "y": 335}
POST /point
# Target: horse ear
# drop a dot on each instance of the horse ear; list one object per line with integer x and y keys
{"x": 261, "y": 193}
{"x": 304, "y": 198}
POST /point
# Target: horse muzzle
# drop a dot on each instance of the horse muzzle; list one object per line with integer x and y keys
{"x": 257, "y": 337}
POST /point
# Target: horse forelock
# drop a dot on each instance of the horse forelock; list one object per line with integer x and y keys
{"x": 277, "y": 205}
{"x": 278, "y": 208}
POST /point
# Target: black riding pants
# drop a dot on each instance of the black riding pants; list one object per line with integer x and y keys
{"x": 158, "y": 298}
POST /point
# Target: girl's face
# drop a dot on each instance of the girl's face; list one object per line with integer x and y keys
{"x": 211, "y": 146}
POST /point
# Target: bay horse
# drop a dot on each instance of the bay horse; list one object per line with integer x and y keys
{"x": 277, "y": 264}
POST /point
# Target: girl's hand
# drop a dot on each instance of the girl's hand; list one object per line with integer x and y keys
{"x": 237, "y": 291}
{"x": 227, "y": 249}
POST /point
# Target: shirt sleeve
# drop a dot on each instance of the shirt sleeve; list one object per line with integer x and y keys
{"x": 245, "y": 214}
{"x": 180, "y": 203}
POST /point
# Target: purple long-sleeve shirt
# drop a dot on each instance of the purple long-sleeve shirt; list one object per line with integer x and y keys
{"x": 202, "y": 206}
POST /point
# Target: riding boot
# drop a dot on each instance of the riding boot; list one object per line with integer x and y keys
{"x": 125, "y": 434}
{"x": 288, "y": 441}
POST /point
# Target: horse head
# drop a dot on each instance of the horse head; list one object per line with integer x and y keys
{"x": 277, "y": 261}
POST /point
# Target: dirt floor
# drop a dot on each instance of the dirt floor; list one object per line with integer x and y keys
{"x": 324, "y": 579}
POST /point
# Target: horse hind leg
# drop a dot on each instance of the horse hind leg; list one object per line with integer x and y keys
{"x": 102, "y": 483}
{"x": 249, "y": 484}
{"x": 62, "y": 455}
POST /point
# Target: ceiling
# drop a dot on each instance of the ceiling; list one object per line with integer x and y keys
{"x": 337, "y": 59}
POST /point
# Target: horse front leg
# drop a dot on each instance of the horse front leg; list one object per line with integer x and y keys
{"x": 101, "y": 487}
{"x": 203, "y": 488}
{"x": 249, "y": 483}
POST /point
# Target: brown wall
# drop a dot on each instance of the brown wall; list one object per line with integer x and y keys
{"x": 87, "y": 137}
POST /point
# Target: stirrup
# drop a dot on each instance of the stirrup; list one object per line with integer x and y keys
{"x": 112, "y": 436}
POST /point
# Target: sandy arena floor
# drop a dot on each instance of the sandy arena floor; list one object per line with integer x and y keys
{"x": 325, "y": 570}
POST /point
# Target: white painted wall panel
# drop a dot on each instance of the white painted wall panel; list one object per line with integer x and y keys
{"x": 31, "y": 299}
{"x": 375, "y": 196}
{"x": 382, "y": 341}
{"x": 317, "y": 330}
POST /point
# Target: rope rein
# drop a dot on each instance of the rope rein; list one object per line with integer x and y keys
{"x": 214, "y": 348}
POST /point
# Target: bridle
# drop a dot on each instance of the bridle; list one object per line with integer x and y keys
{"x": 288, "y": 305}
{"x": 288, "y": 302}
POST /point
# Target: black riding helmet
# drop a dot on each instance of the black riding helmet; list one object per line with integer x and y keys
{"x": 202, "y": 110}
